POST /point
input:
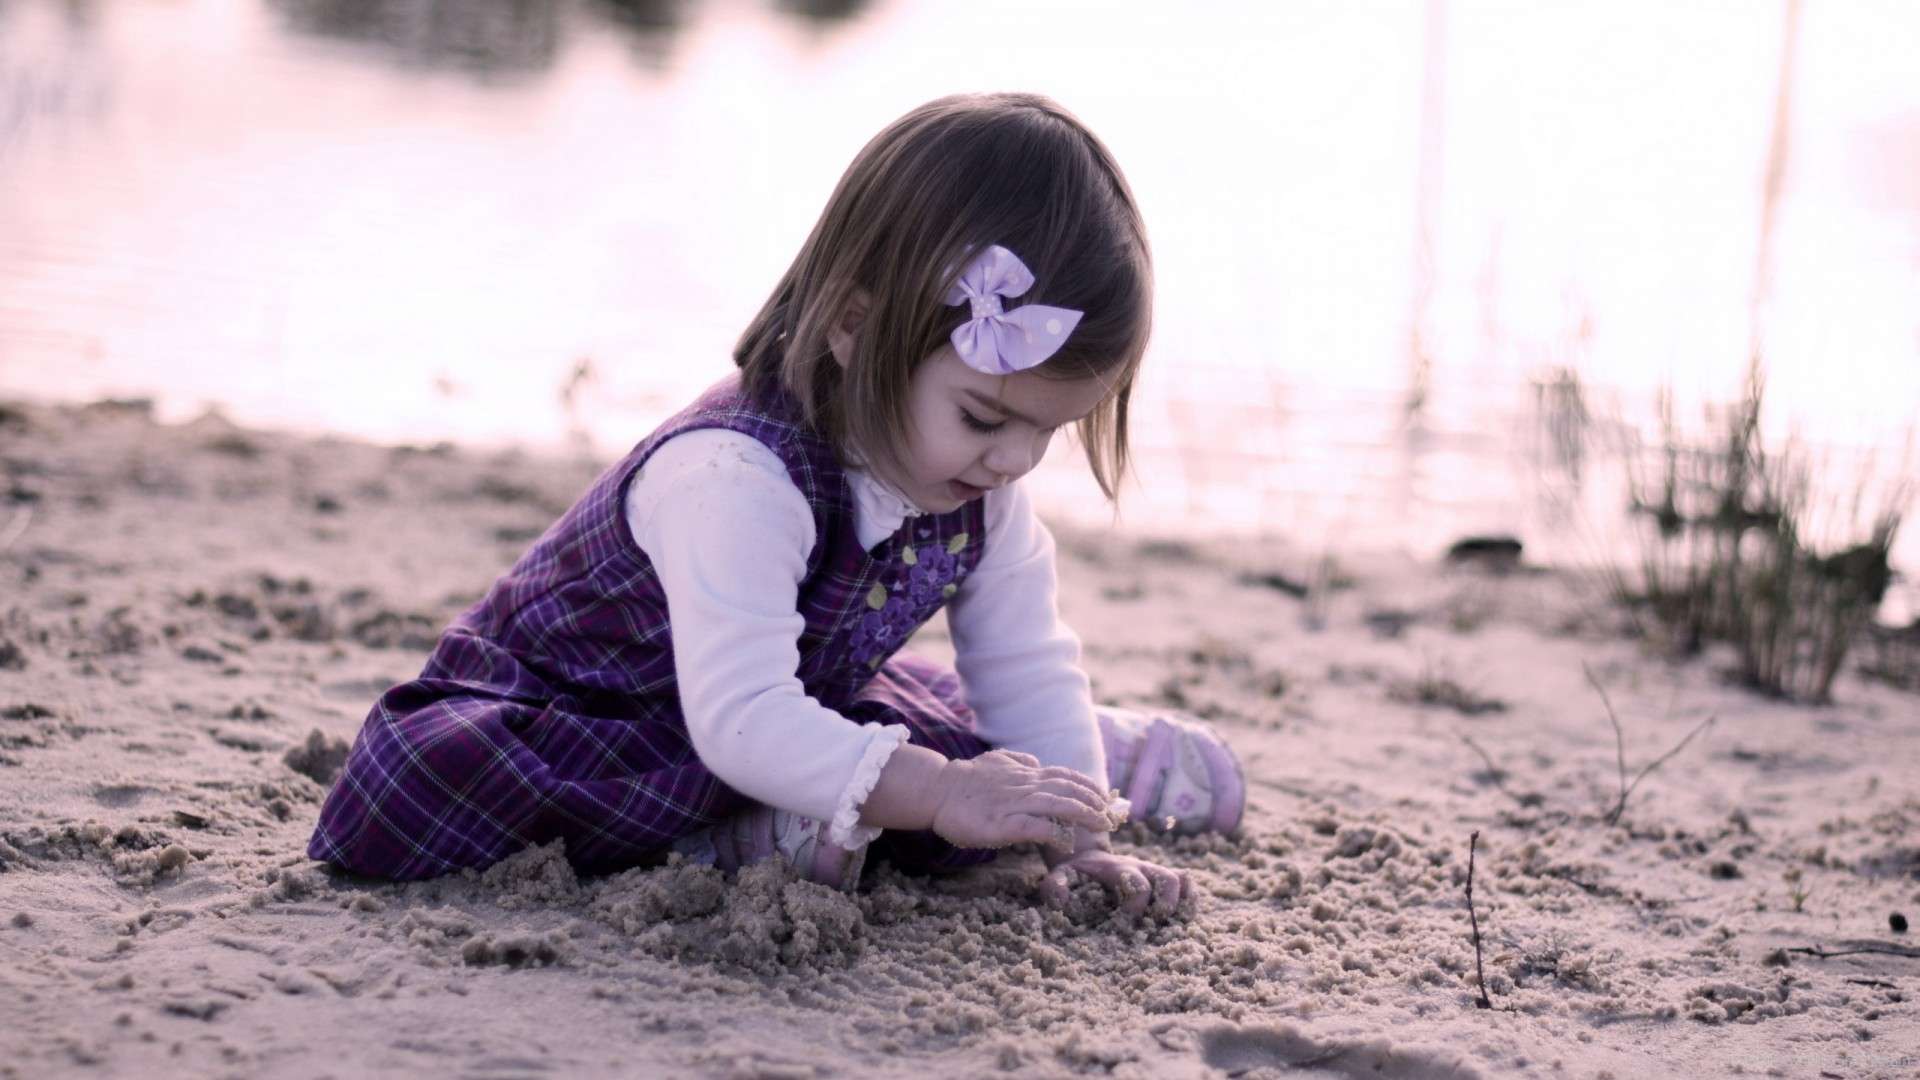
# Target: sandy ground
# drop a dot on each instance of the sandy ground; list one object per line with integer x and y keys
{"x": 194, "y": 618}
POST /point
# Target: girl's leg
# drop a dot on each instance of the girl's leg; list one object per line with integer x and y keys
{"x": 440, "y": 783}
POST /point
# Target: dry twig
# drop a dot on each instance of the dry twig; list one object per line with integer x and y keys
{"x": 1498, "y": 775}
{"x": 1479, "y": 973}
{"x": 1620, "y": 748}
{"x": 1873, "y": 950}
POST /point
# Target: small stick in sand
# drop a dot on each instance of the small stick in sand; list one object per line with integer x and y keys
{"x": 1479, "y": 973}
{"x": 1888, "y": 950}
{"x": 1499, "y": 775}
{"x": 1620, "y": 748}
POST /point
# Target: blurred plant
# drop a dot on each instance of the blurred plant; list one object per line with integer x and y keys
{"x": 1797, "y": 890}
{"x": 1893, "y": 655}
{"x": 1435, "y": 687}
{"x": 1726, "y": 552}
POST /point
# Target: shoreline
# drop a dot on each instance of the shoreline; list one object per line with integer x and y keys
{"x": 196, "y": 616}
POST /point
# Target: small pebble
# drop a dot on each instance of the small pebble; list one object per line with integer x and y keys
{"x": 23, "y": 920}
{"x": 1898, "y": 922}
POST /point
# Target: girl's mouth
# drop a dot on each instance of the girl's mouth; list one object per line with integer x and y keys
{"x": 966, "y": 492}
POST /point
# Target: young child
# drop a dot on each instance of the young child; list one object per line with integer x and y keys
{"x": 701, "y": 654}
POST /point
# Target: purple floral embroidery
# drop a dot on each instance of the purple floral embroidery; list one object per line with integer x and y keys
{"x": 909, "y": 591}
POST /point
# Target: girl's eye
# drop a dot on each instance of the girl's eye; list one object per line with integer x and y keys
{"x": 980, "y": 425}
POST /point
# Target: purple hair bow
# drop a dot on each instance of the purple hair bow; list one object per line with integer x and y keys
{"x": 997, "y": 341}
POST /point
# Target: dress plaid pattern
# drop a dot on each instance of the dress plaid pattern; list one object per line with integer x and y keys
{"x": 549, "y": 709}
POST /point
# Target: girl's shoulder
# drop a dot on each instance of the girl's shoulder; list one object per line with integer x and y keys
{"x": 738, "y": 430}
{"x": 718, "y": 478}
{"x": 715, "y": 454}
{"x": 770, "y": 419}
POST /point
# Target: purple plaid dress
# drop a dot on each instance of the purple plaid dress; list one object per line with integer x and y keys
{"x": 549, "y": 709}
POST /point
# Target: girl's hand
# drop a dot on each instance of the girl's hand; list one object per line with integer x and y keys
{"x": 1003, "y": 797}
{"x": 1142, "y": 886}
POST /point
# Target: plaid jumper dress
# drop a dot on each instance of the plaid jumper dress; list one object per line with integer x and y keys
{"x": 549, "y": 709}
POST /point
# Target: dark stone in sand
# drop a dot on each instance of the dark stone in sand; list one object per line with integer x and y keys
{"x": 1496, "y": 552}
{"x": 1897, "y": 922}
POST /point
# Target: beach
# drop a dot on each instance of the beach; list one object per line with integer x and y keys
{"x": 194, "y": 619}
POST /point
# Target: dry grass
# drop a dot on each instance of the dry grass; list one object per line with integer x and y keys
{"x": 1726, "y": 552}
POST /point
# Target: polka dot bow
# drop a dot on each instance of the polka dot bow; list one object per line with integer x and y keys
{"x": 997, "y": 341}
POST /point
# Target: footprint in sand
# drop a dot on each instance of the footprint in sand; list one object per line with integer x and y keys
{"x": 1237, "y": 1051}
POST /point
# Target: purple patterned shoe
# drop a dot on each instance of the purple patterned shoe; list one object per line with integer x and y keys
{"x": 761, "y": 832}
{"x": 1173, "y": 769}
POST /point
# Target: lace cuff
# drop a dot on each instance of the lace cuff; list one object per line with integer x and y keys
{"x": 846, "y": 830}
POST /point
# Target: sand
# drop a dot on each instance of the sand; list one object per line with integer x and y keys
{"x": 194, "y": 618}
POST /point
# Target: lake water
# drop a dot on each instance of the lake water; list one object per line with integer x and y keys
{"x": 544, "y": 222}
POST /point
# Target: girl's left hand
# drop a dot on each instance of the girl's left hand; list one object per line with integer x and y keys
{"x": 1142, "y": 886}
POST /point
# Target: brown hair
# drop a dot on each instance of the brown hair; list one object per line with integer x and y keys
{"x": 947, "y": 179}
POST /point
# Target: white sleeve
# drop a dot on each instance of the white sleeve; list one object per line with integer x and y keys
{"x": 728, "y": 534}
{"x": 1019, "y": 663}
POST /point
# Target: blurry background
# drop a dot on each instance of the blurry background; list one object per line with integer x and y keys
{"x": 1412, "y": 255}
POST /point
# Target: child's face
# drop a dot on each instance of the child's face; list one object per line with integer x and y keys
{"x": 972, "y": 431}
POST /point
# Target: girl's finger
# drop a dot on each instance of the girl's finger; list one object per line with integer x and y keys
{"x": 1135, "y": 891}
{"x": 1057, "y": 885}
{"x": 1027, "y": 828}
{"x": 1025, "y": 759}
{"x": 1076, "y": 777}
{"x": 1166, "y": 890}
{"x": 1063, "y": 809}
{"x": 1078, "y": 788}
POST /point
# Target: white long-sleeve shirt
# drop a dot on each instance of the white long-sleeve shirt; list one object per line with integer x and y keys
{"x": 729, "y": 533}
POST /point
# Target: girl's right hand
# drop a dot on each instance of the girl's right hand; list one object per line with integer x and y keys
{"x": 1003, "y": 797}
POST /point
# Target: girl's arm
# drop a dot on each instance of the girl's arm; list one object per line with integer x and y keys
{"x": 1020, "y": 663}
{"x": 728, "y": 534}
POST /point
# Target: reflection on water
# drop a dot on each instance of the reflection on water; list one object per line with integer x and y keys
{"x": 1405, "y": 261}
{"x": 502, "y": 39}
{"x": 495, "y": 37}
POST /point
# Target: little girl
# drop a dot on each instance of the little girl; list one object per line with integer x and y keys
{"x": 702, "y": 654}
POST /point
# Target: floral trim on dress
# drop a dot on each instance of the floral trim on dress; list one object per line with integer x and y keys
{"x": 916, "y": 584}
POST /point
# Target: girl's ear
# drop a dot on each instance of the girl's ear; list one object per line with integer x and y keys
{"x": 847, "y": 326}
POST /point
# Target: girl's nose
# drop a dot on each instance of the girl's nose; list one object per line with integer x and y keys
{"x": 1016, "y": 456}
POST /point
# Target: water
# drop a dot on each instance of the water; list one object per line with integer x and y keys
{"x": 426, "y": 219}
